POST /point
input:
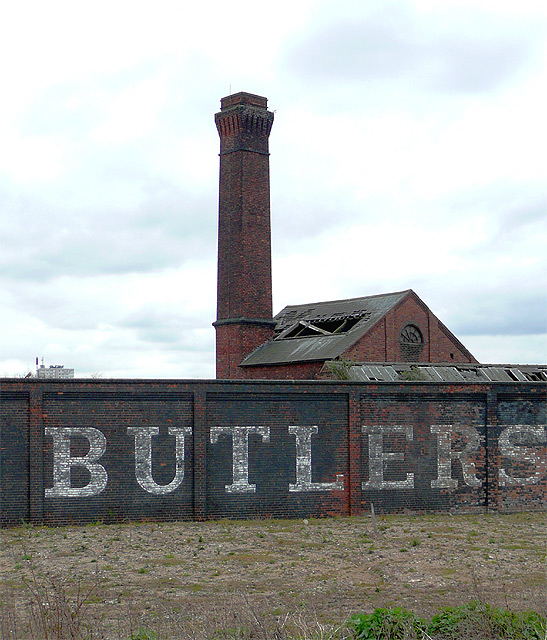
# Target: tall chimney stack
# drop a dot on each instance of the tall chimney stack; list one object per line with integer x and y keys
{"x": 244, "y": 285}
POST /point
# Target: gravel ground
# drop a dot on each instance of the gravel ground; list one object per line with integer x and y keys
{"x": 117, "y": 578}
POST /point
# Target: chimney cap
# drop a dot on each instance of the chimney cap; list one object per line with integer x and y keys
{"x": 243, "y": 98}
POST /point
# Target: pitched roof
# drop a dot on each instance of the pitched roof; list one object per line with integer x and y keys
{"x": 322, "y": 330}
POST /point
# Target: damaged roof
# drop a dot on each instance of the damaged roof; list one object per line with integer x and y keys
{"x": 322, "y": 330}
{"x": 426, "y": 372}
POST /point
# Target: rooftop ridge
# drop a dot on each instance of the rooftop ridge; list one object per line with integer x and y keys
{"x": 327, "y": 302}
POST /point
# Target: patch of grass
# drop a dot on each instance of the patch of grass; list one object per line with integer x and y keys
{"x": 513, "y": 547}
{"x": 143, "y": 634}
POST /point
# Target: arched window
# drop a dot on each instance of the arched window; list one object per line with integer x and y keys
{"x": 411, "y": 343}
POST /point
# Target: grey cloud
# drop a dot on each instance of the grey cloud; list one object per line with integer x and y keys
{"x": 158, "y": 326}
{"x": 172, "y": 338}
{"x": 393, "y": 44}
{"x": 77, "y": 107}
{"x": 66, "y": 109}
{"x": 470, "y": 65}
{"x": 349, "y": 51}
{"x": 498, "y": 313}
{"x": 61, "y": 306}
{"x": 180, "y": 213}
{"x": 525, "y": 215}
{"x": 475, "y": 302}
{"x": 168, "y": 229}
{"x": 515, "y": 218}
{"x": 294, "y": 222}
{"x": 483, "y": 302}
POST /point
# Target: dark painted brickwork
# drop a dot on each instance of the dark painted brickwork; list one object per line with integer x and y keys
{"x": 82, "y": 451}
{"x": 14, "y": 457}
{"x": 424, "y": 451}
{"x": 289, "y": 425}
{"x": 117, "y": 415}
{"x": 521, "y": 444}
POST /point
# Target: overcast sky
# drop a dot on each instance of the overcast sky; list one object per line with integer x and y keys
{"x": 408, "y": 151}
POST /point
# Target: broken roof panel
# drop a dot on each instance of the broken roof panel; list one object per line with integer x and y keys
{"x": 364, "y": 308}
{"x": 374, "y": 373}
{"x": 416, "y": 372}
{"x": 322, "y": 330}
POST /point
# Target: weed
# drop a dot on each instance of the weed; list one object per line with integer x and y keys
{"x": 480, "y": 620}
{"x": 339, "y": 369}
{"x": 395, "y": 624}
{"x": 53, "y": 613}
{"x": 412, "y": 374}
{"x": 143, "y": 634}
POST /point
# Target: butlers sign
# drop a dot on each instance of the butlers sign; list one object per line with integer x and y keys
{"x": 311, "y": 457}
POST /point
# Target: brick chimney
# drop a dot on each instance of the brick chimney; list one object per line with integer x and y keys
{"x": 244, "y": 285}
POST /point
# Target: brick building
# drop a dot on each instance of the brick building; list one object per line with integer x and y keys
{"x": 472, "y": 439}
{"x": 301, "y": 339}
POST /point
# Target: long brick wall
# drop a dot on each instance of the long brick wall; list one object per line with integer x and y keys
{"x": 83, "y": 451}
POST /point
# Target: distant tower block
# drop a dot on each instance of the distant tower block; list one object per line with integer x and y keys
{"x": 244, "y": 285}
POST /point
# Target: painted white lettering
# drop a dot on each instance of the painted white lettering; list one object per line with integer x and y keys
{"x": 304, "y": 482}
{"x": 240, "y": 454}
{"x": 378, "y": 457}
{"x": 63, "y": 462}
{"x": 525, "y": 454}
{"x": 446, "y": 454}
{"x": 143, "y": 458}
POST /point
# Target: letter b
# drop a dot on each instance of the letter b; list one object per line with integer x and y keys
{"x": 63, "y": 462}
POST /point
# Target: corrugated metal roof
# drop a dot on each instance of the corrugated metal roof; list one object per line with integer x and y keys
{"x": 283, "y": 349}
{"x": 416, "y": 372}
{"x": 374, "y": 373}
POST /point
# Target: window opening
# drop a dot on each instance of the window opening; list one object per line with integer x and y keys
{"x": 411, "y": 335}
{"x": 332, "y": 325}
{"x": 535, "y": 376}
{"x": 411, "y": 343}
